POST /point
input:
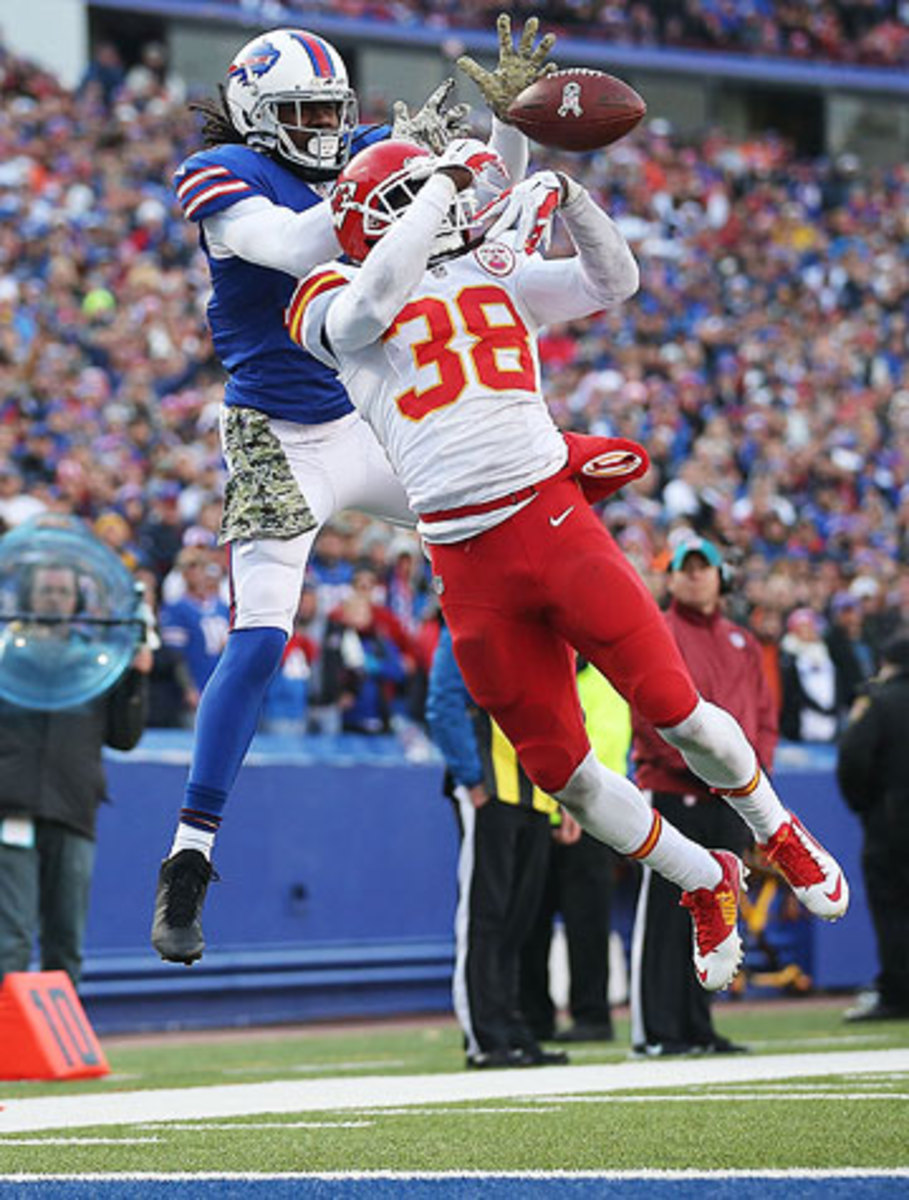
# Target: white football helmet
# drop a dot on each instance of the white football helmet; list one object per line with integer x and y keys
{"x": 270, "y": 81}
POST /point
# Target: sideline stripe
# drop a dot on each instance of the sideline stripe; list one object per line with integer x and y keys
{"x": 370, "y": 1091}
{"x": 620, "y": 1186}
{"x": 408, "y": 1176}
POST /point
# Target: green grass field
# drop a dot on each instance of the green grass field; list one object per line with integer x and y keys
{"x": 855, "y": 1119}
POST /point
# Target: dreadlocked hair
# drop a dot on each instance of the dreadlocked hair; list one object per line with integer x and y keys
{"x": 217, "y": 127}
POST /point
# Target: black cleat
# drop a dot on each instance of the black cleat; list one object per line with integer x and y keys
{"x": 177, "y": 928}
{"x": 516, "y": 1056}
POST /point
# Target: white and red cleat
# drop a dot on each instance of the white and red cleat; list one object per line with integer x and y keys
{"x": 714, "y": 912}
{"x": 814, "y": 875}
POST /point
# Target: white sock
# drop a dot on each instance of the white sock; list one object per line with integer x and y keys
{"x": 682, "y": 861}
{"x": 761, "y": 809}
{"x": 614, "y": 811}
{"x": 713, "y": 745}
{"x": 188, "y": 837}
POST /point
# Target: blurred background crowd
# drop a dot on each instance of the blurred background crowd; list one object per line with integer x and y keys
{"x": 871, "y": 32}
{"x": 763, "y": 364}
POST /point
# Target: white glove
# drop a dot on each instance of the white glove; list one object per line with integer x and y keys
{"x": 470, "y": 153}
{"x": 530, "y": 208}
{"x": 430, "y": 126}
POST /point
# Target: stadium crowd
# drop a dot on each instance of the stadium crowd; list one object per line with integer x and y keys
{"x": 763, "y": 364}
{"x": 870, "y": 32}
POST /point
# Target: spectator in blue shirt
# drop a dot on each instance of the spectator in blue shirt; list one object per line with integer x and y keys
{"x": 197, "y": 624}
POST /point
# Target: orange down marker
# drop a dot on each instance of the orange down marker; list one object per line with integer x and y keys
{"x": 44, "y": 1032}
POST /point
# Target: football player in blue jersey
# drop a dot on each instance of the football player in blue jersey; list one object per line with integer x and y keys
{"x": 279, "y": 133}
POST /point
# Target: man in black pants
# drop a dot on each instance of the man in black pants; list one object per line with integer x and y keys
{"x": 51, "y": 785}
{"x": 670, "y": 1011}
{"x": 504, "y": 823}
{"x": 579, "y": 886}
{"x": 873, "y": 774}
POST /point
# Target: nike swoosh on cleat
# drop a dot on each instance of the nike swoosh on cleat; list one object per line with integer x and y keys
{"x": 702, "y": 975}
{"x": 837, "y": 891}
{"x": 555, "y": 522}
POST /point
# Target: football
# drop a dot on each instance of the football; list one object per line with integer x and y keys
{"x": 577, "y": 109}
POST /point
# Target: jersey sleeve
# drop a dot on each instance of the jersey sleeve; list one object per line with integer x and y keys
{"x": 366, "y": 135}
{"x": 305, "y": 315}
{"x": 207, "y": 184}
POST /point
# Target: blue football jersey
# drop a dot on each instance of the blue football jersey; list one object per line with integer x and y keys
{"x": 198, "y": 630}
{"x": 266, "y": 369}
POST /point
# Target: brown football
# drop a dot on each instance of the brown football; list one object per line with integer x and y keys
{"x": 577, "y": 109}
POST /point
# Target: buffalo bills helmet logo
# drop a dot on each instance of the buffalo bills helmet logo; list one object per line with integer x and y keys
{"x": 256, "y": 64}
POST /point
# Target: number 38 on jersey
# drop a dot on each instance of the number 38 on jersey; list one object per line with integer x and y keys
{"x": 474, "y": 340}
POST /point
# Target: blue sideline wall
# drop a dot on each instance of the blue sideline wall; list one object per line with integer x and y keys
{"x": 337, "y": 862}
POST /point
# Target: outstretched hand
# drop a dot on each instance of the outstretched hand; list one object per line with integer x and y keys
{"x": 433, "y": 125}
{"x": 529, "y": 208}
{"x": 464, "y": 158}
{"x": 517, "y": 68}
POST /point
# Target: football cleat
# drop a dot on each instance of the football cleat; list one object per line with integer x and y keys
{"x": 714, "y": 912}
{"x": 177, "y": 929}
{"x": 814, "y": 875}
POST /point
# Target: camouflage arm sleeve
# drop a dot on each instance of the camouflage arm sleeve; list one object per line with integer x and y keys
{"x": 262, "y": 498}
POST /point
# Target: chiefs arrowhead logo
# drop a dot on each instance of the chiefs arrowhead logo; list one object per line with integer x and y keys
{"x": 612, "y": 463}
{"x": 495, "y": 257}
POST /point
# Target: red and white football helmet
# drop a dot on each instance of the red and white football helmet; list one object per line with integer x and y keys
{"x": 268, "y": 83}
{"x": 375, "y": 189}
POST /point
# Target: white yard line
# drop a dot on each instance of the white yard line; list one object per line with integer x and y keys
{"x": 80, "y": 1141}
{"x": 833, "y": 1173}
{"x": 394, "y": 1091}
{"x": 207, "y": 1127}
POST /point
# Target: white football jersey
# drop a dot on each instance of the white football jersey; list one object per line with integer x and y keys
{"x": 452, "y": 390}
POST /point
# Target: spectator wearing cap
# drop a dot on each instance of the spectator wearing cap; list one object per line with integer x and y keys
{"x": 670, "y": 1011}
{"x": 811, "y": 704}
{"x": 879, "y": 622}
{"x": 161, "y": 535}
{"x": 873, "y": 774}
{"x": 115, "y": 531}
{"x": 851, "y": 652}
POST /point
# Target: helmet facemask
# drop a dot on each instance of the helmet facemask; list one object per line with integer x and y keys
{"x": 324, "y": 151}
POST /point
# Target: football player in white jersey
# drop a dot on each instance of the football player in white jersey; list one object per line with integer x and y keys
{"x": 434, "y": 336}
{"x": 281, "y": 130}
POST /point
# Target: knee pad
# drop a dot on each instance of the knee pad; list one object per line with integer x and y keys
{"x": 550, "y": 765}
{"x": 666, "y": 700}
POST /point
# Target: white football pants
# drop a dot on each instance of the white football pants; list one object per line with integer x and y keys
{"x": 337, "y": 465}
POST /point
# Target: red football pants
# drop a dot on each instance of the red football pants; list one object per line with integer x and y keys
{"x": 522, "y": 597}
